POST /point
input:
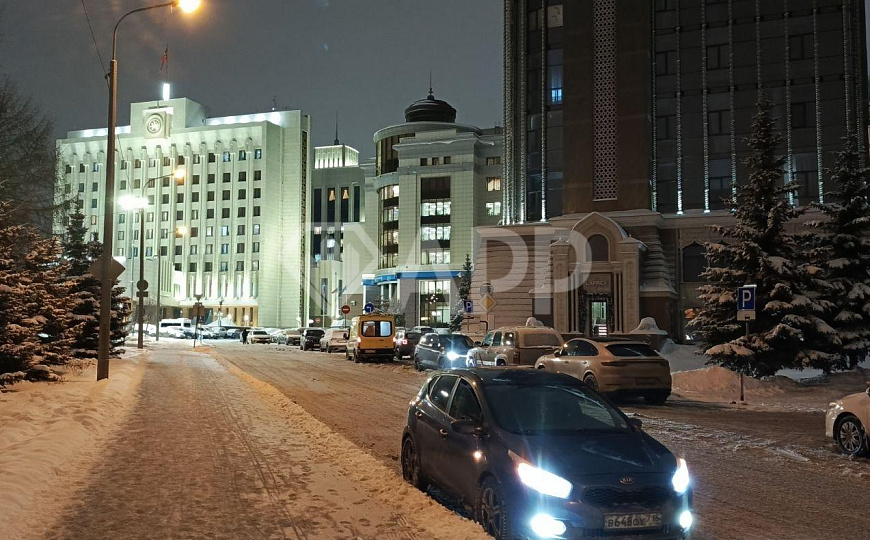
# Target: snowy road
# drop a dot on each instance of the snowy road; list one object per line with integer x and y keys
{"x": 759, "y": 474}
{"x": 209, "y": 452}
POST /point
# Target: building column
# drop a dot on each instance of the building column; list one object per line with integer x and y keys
{"x": 559, "y": 251}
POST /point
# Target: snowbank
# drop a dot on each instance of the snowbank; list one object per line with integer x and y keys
{"x": 718, "y": 381}
{"x": 49, "y": 431}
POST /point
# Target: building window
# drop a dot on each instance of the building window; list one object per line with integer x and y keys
{"x": 258, "y": 175}
{"x": 496, "y": 160}
{"x": 152, "y": 162}
{"x": 435, "y": 161}
{"x": 209, "y": 213}
{"x": 447, "y": 160}
{"x": 240, "y": 230}
{"x": 124, "y": 165}
{"x": 194, "y": 215}
{"x": 435, "y": 256}
{"x": 178, "y": 250}
{"x": 255, "y": 266}
{"x": 93, "y": 203}
{"x": 179, "y": 215}
{"x": 226, "y": 195}
{"x": 122, "y": 218}
{"x": 225, "y": 249}
{"x": 243, "y": 176}
{"x": 719, "y": 122}
{"x": 256, "y": 228}
{"x": 803, "y": 115}
{"x": 210, "y": 178}
{"x": 164, "y": 199}
{"x": 227, "y": 177}
{"x": 666, "y": 62}
{"x": 493, "y": 208}
{"x": 164, "y": 215}
{"x": 258, "y": 153}
{"x": 243, "y": 155}
{"x": 424, "y": 162}
{"x": 194, "y": 197}
{"x": 149, "y": 251}
{"x": 207, "y": 267}
{"x": 242, "y": 194}
{"x": 255, "y": 247}
{"x": 427, "y": 208}
{"x": 224, "y": 265}
{"x": 440, "y": 232}
{"x": 225, "y": 230}
{"x": 800, "y": 47}
{"x": 194, "y": 232}
{"x": 137, "y": 164}
{"x": 120, "y": 235}
{"x": 209, "y": 231}
{"x": 666, "y": 127}
{"x": 240, "y": 212}
{"x": 240, "y": 247}
{"x": 191, "y": 267}
{"x": 256, "y": 193}
{"x": 717, "y": 56}
{"x": 225, "y": 213}
{"x": 598, "y": 249}
{"x": 95, "y": 186}
{"x": 226, "y": 157}
{"x": 179, "y": 197}
{"x": 256, "y": 211}
{"x": 150, "y": 218}
{"x": 694, "y": 263}
{"x": 240, "y": 266}
{"x": 493, "y": 183}
{"x": 195, "y": 180}
{"x": 209, "y": 249}
{"x": 197, "y": 159}
{"x": 81, "y": 187}
{"x": 209, "y": 196}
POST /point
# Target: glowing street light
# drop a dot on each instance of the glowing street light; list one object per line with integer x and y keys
{"x": 189, "y": 6}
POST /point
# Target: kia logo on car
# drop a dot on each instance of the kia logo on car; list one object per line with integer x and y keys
{"x": 626, "y": 480}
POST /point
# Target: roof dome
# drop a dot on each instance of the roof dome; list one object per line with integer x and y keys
{"x": 430, "y": 110}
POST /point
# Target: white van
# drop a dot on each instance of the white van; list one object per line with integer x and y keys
{"x": 176, "y": 324}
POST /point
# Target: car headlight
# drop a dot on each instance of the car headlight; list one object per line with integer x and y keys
{"x": 541, "y": 480}
{"x": 452, "y": 356}
{"x": 680, "y": 480}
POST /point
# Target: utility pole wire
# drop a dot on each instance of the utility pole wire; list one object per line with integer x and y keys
{"x": 93, "y": 37}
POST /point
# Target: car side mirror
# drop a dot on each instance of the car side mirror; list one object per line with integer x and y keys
{"x": 557, "y": 352}
{"x": 635, "y": 423}
{"x": 477, "y": 344}
{"x": 466, "y": 427}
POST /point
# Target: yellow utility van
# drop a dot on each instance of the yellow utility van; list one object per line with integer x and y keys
{"x": 371, "y": 337}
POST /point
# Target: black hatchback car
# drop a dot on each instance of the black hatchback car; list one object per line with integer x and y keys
{"x": 405, "y": 343}
{"x": 442, "y": 351}
{"x": 540, "y": 455}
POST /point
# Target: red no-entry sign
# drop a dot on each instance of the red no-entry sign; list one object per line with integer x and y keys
{"x": 345, "y": 309}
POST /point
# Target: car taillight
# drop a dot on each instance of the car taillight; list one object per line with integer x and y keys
{"x": 404, "y": 342}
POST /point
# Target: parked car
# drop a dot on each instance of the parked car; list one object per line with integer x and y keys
{"x": 290, "y": 336}
{"x": 176, "y": 332}
{"x": 258, "y": 335}
{"x": 541, "y": 455}
{"x": 371, "y": 338}
{"x": 233, "y": 332}
{"x": 423, "y": 329}
{"x": 442, "y": 351}
{"x": 847, "y": 421}
{"x": 405, "y": 343}
{"x": 273, "y": 333}
{"x": 334, "y": 339}
{"x": 613, "y": 367}
{"x": 515, "y": 345}
{"x": 310, "y": 338}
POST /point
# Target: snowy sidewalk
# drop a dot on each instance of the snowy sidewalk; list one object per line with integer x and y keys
{"x": 206, "y": 453}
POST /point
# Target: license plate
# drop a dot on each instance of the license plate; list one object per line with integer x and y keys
{"x": 647, "y": 380}
{"x": 370, "y": 351}
{"x": 632, "y": 521}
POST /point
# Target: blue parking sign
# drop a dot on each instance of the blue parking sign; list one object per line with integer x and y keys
{"x": 468, "y": 305}
{"x": 746, "y": 298}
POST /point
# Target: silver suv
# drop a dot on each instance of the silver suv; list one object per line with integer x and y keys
{"x": 515, "y": 346}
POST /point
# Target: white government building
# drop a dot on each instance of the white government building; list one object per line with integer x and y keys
{"x": 240, "y": 209}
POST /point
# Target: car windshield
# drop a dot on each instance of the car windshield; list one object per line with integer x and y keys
{"x": 456, "y": 343}
{"x": 314, "y": 333}
{"x": 553, "y": 409}
{"x": 541, "y": 339}
{"x": 259, "y": 332}
{"x": 631, "y": 349}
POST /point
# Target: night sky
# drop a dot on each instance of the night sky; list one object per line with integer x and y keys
{"x": 365, "y": 59}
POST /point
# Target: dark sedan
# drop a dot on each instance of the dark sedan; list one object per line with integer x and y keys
{"x": 540, "y": 455}
{"x": 406, "y": 342}
{"x": 310, "y": 339}
{"x": 442, "y": 351}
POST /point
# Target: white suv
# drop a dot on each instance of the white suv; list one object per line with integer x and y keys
{"x": 334, "y": 339}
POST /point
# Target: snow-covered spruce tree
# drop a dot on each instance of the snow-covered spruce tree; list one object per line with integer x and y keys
{"x": 120, "y": 309}
{"x": 757, "y": 249}
{"x": 84, "y": 297}
{"x": 34, "y": 320}
{"x": 842, "y": 250}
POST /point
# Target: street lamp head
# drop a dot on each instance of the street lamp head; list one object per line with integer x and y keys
{"x": 131, "y": 202}
{"x": 179, "y": 173}
{"x": 181, "y": 230}
{"x": 188, "y": 6}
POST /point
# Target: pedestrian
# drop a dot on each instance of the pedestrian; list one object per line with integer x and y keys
{"x": 245, "y": 336}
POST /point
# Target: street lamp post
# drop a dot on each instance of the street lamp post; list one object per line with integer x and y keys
{"x": 130, "y": 202}
{"x": 107, "y": 283}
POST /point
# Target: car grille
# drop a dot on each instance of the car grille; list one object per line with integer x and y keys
{"x": 610, "y": 497}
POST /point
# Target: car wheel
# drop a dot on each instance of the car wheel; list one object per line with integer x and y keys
{"x": 541, "y": 366}
{"x": 656, "y": 398}
{"x": 411, "y": 466}
{"x": 355, "y": 358}
{"x": 417, "y": 363}
{"x": 850, "y": 436}
{"x": 396, "y": 356}
{"x": 591, "y": 381}
{"x": 500, "y": 362}
{"x": 491, "y": 511}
